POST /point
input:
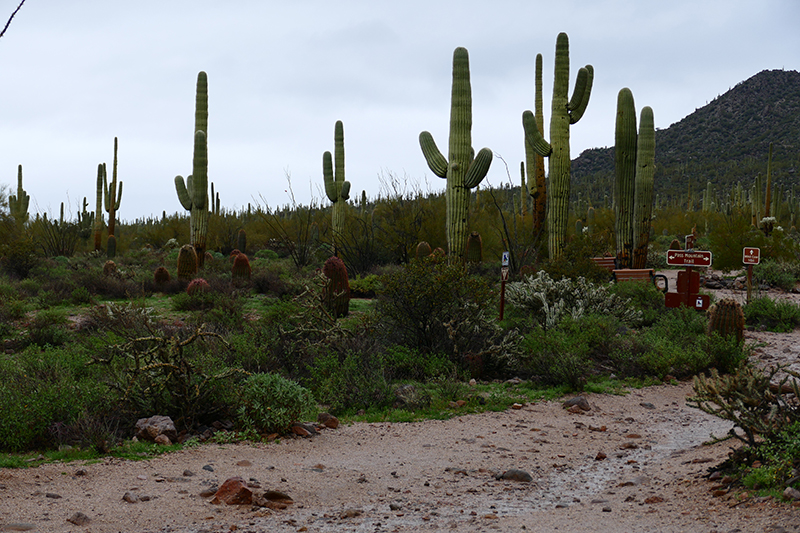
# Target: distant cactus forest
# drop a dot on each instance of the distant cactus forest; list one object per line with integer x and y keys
{"x": 390, "y": 307}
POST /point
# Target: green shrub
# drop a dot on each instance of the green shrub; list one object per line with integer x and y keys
{"x": 404, "y": 363}
{"x": 352, "y": 381}
{"x": 772, "y": 315}
{"x": 41, "y": 388}
{"x": 80, "y": 296}
{"x": 365, "y": 287}
{"x": 416, "y": 302}
{"x": 783, "y": 274}
{"x": 271, "y": 403}
{"x": 48, "y": 328}
{"x": 266, "y": 253}
{"x": 643, "y": 297}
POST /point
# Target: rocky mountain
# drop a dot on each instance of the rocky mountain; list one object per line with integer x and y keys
{"x": 724, "y": 142}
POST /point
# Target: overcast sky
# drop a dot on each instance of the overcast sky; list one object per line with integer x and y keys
{"x": 77, "y": 73}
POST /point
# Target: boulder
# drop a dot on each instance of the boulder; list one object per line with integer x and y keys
{"x": 150, "y": 428}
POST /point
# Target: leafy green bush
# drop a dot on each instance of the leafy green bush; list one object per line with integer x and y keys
{"x": 271, "y": 403}
{"x": 783, "y": 274}
{"x": 404, "y": 363}
{"x": 40, "y": 388}
{"x": 772, "y": 315}
{"x": 266, "y": 253}
{"x": 365, "y": 287}
{"x": 643, "y": 297}
{"x": 416, "y": 302}
{"x": 48, "y": 328}
{"x": 352, "y": 381}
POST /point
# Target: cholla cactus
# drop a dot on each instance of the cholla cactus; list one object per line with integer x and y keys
{"x": 549, "y": 301}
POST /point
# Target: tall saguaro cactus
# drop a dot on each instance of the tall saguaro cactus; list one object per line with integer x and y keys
{"x": 336, "y": 187}
{"x": 633, "y": 187}
{"x": 18, "y": 203}
{"x": 112, "y": 193}
{"x": 98, "y": 210}
{"x": 193, "y": 193}
{"x": 565, "y": 112}
{"x": 534, "y": 163}
{"x": 462, "y": 169}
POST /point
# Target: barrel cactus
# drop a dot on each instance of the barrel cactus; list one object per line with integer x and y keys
{"x": 474, "y": 248}
{"x": 240, "y": 271}
{"x": 197, "y": 286}
{"x": 161, "y": 276}
{"x": 187, "y": 263}
{"x": 726, "y": 318}
{"x": 565, "y": 111}
{"x": 462, "y": 169}
{"x": 423, "y": 249}
{"x": 336, "y": 293}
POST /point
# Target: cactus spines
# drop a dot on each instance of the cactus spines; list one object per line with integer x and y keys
{"x": 193, "y": 193}
{"x": 161, "y": 276}
{"x": 423, "y": 250}
{"x": 463, "y": 169}
{"x": 726, "y": 318}
{"x": 18, "y": 203}
{"x": 634, "y": 161}
{"x": 336, "y": 293}
{"x": 336, "y": 187}
{"x": 474, "y": 248}
{"x": 565, "y": 111}
{"x": 187, "y": 262}
{"x": 240, "y": 271}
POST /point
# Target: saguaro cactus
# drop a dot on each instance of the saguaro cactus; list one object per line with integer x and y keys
{"x": 193, "y": 193}
{"x": 463, "y": 169}
{"x": 336, "y": 187}
{"x": 98, "y": 210}
{"x": 534, "y": 163}
{"x": 633, "y": 190}
{"x": 565, "y": 112}
{"x": 112, "y": 197}
{"x": 18, "y": 203}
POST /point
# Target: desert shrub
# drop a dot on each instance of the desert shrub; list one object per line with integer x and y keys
{"x": 39, "y": 388}
{"x": 643, "y": 297}
{"x": 350, "y": 381}
{"x": 404, "y": 363}
{"x": 772, "y": 315}
{"x": 365, "y": 287}
{"x": 727, "y": 354}
{"x": 80, "y": 295}
{"x": 549, "y": 301}
{"x": 48, "y": 328}
{"x": 576, "y": 259}
{"x": 416, "y": 302}
{"x": 270, "y": 403}
{"x": 266, "y": 253}
{"x": 18, "y": 256}
{"x": 173, "y": 373}
{"x": 555, "y": 357}
{"x": 783, "y": 274}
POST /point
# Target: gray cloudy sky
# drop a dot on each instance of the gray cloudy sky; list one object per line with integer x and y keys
{"x": 76, "y": 74}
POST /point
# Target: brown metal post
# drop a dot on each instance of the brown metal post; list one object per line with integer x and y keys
{"x": 749, "y": 282}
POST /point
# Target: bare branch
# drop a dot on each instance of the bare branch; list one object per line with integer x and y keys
{"x": 11, "y": 18}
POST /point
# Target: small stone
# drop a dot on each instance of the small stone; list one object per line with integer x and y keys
{"x": 328, "y": 420}
{"x": 162, "y": 440}
{"x": 581, "y": 402}
{"x": 647, "y": 405}
{"x": 208, "y": 468}
{"x": 244, "y": 462}
{"x": 351, "y": 513}
{"x": 233, "y": 492}
{"x": 79, "y": 519}
{"x": 600, "y": 456}
{"x": 606, "y": 509}
{"x": 130, "y": 497}
{"x": 81, "y": 472}
{"x": 188, "y": 473}
{"x": 516, "y": 474}
{"x": 516, "y": 406}
{"x": 653, "y": 499}
{"x": 52, "y": 495}
{"x": 791, "y": 493}
{"x": 304, "y": 430}
{"x": 209, "y": 492}
{"x": 395, "y": 506}
{"x": 18, "y": 526}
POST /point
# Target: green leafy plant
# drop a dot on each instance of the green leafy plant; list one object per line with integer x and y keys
{"x": 270, "y": 403}
{"x": 772, "y": 315}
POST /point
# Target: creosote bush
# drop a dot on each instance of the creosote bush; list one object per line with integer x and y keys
{"x": 270, "y": 403}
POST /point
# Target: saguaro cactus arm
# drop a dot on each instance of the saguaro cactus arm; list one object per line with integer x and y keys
{"x": 436, "y": 161}
{"x": 580, "y": 96}
{"x": 533, "y": 136}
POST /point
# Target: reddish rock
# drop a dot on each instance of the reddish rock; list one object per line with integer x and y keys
{"x": 162, "y": 440}
{"x": 328, "y": 420}
{"x": 234, "y": 492}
